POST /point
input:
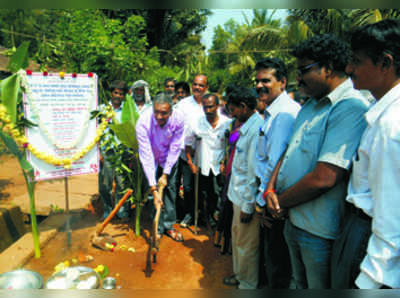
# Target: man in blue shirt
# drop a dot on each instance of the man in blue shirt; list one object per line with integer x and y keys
{"x": 242, "y": 191}
{"x": 309, "y": 183}
{"x": 279, "y": 115}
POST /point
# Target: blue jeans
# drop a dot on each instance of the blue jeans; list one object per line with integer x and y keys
{"x": 310, "y": 256}
{"x": 349, "y": 250}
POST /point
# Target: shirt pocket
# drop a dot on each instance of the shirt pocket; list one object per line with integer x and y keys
{"x": 261, "y": 147}
{"x": 310, "y": 141}
{"x": 240, "y": 160}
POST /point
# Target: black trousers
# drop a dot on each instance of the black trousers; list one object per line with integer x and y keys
{"x": 187, "y": 177}
{"x": 209, "y": 193}
{"x": 278, "y": 268}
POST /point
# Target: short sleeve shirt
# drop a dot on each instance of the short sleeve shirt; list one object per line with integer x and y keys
{"x": 326, "y": 130}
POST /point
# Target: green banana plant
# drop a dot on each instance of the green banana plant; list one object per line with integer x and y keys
{"x": 125, "y": 131}
{"x": 10, "y": 96}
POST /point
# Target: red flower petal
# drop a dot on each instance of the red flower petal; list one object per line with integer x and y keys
{"x": 90, "y": 75}
{"x": 74, "y": 75}
{"x": 45, "y": 73}
{"x": 28, "y": 72}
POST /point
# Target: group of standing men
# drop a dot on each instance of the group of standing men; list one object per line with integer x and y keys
{"x": 319, "y": 181}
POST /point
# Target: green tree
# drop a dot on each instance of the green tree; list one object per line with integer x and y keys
{"x": 238, "y": 47}
{"x": 166, "y": 28}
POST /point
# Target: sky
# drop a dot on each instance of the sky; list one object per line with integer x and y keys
{"x": 221, "y": 16}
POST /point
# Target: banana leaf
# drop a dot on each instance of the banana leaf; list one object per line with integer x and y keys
{"x": 13, "y": 148}
{"x": 19, "y": 60}
{"x": 126, "y": 130}
{"x": 126, "y": 133}
{"x": 129, "y": 110}
{"x": 28, "y": 172}
{"x": 9, "y": 95}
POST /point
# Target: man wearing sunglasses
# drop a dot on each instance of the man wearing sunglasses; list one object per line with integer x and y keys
{"x": 310, "y": 180}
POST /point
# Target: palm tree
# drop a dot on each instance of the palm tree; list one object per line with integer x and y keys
{"x": 263, "y": 36}
{"x": 359, "y": 17}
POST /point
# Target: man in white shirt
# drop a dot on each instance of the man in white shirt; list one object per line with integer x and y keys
{"x": 192, "y": 109}
{"x": 371, "y": 235}
{"x": 279, "y": 116}
{"x": 210, "y": 149}
{"x": 242, "y": 191}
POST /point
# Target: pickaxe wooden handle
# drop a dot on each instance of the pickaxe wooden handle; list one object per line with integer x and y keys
{"x": 154, "y": 244}
{"x": 112, "y": 214}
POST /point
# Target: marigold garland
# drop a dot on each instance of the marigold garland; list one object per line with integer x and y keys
{"x": 25, "y": 84}
{"x": 9, "y": 128}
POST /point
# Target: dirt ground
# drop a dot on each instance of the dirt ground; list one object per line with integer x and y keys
{"x": 193, "y": 264}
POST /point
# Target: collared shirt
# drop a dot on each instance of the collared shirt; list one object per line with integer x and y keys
{"x": 142, "y": 109}
{"x": 192, "y": 111}
{"x": 242, "y": 186}
{"x": 326, "y": 130}
{"x": 211, "y": 148}
{"x": 374, "y": 187}
{"x": 159, "y": 145}
{"x": 274, "y": 136}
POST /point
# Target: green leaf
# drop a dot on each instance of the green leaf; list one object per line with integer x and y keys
{"x": 126, "y": 133}
{"x": 10, "y": 144}
{"x": 94, "y": 114}
{"x": 26, "y": 122}
{"x": 20, "y": 59}
{"x": 129, "y": 110}
{"x": 104, "y": 273}
{"x": 13, "y": 148}
{"x": 126, "y": 168}
{"x": 9, "y": 95}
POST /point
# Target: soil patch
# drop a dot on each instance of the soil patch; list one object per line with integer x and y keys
{"x": 192, "y": 264}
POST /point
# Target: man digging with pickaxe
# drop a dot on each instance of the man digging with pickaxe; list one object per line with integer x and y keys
{"x": 160, "y": 135}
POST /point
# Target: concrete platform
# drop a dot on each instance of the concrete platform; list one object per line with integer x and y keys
{"x": 50, "y": 194}
{"x": 19, "y": 253}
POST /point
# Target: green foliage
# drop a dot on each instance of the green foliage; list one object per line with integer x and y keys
{"x": 19, "y": 59}
{"x": 3, "y": 149}
{"x": 9, "y": 99}
{"x": 10, "y": 95}
{"x": 124, "y": 44}
{"x": 236, "y": 48}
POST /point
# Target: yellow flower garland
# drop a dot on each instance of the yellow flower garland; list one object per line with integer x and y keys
{"x": 22, "y": 140}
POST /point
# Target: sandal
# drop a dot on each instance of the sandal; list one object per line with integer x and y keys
{"x": 230, "y": 280}
{"x": 174, "y": 235}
